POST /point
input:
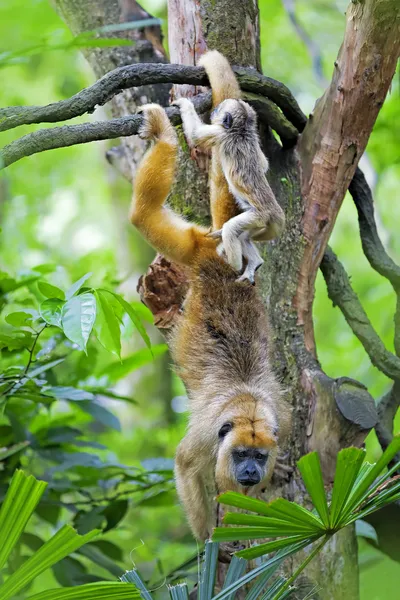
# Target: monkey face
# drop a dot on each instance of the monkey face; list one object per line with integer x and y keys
{"x": 246, "y": 454}
{"x": 234, "y": 115}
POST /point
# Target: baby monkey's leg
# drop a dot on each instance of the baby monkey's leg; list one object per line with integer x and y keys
{"x": 251, "y": 254}
{"x": 231, "y": 232}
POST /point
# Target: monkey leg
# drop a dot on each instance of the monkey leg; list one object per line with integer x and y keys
{"x": 192, "y": 490}
{"x": 251, "y": 254}
{"x": 164, "y": 230}
{"x": 231, "y": 232}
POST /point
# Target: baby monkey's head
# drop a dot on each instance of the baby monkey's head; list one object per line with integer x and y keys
{"x": 247, "y": 448}
{"x": 234, "y": 115}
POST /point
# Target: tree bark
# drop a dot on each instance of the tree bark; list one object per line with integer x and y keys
{"x": 310, "y": 184}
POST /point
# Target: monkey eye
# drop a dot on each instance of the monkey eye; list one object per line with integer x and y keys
{"x": 241, "y": 453}
{"x": 226, "y": 428}
{"x": 227, "y": 121}
{"x": 260, "y": 456}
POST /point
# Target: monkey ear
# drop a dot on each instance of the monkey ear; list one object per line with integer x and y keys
{"x": 227, "y": 121}
{"x": 226, "y": 428}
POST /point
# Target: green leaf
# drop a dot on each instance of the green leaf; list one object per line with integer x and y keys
{"x": 236, "y": 569}
{"x": 270, "y": 525}
{"x": 19, "y": 319}
{"x": 363, "y": 487}
{"x": 243, "y": 502}
{"x": 310, "y": 469}
{"x": 231, "y": 534}
{"x": 179, "y": 591}
{"x": 51, "y": 311}
{"x": 78, "y": 317}
{"x": 107, "y": 326}
{"x": 273, "y": 546}
{"x": 138, "y": 359}
{"x": 70, "y": 393}
{"x": 134, "y": 317}
{"x": 161, "y": 499}
{"x": 348, "y": 464}
{"x": 50, "y": 291}
{"x": 114, "y": 513}
{"x": 104, "y": 590}
{"x": 97, "y": 556}
{"x": 100, "y": 414}
{"x": 208, "y": 571}
{"x": 364, "y": 529}
{"x": 63, "y": 543}
{"x": 75, "y": 287}
{"x": 20, "y": 502}
{"x": 259, "y": 585}
{"x": 133, "y": 577}
{"x": 6, "y": 452}
{"x": 46, "y": 367}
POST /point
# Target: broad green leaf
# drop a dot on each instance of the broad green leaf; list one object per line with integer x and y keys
{"x": 273, "y": 546}
{"x": 236, "y": 569}
{"x": 19, "y": 319}
{"x": 97, "y": 556}
{"x": 6, "y": 452}
{"x": 134, "y": 317}
{"x": 133, "y": 577}
{"x": 179, "y": 591}
{"x": 364, "y": 487}
{"x": 271, "y": 524}
{"x": 107, "y": 327}
{"x": 50, "y": 291}
{"x": 46, "y": 367}
{"x": 78, "y": 317}
{"x": 51, "y": 311}
{"x": 310, "y": 469}
{"x": 20, "y": 502}
{"x": 75, "y": 287}
{"x": 104, "y": 590}
{"x": 348, "y": 464}
{"x": 100, "y": 414}
{"x": 63, "y": 543}
{"x": 101, "y": 391}
{"x": 70, "y": 393}
{"x": 208, "y": 571}
{"x": 114, "y": 513}
{"x": 138, "y": 359}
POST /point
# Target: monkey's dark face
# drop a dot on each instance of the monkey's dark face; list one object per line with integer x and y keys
{"x": 245, "y": 447}
{"x": 249, "y": 465}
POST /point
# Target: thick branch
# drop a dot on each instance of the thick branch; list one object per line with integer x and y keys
{"x": 336, "y": 136}
{"x": 69, "y": 135}
{"x": 371, "y": 243}
{"x": 343, "y": 296}
{"x": 122, "y": 78}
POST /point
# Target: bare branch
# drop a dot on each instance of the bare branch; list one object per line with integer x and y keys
{"x": 70, "y": 135}
{"x": 371, "y": 243}
{"x": 122, "y": 78}
{"x": 343, "y": 296}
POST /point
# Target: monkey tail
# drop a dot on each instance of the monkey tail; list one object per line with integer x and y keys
{"x": 222, "y": 79}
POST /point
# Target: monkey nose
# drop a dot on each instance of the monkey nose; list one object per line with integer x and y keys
{"x": 249, "y": 477}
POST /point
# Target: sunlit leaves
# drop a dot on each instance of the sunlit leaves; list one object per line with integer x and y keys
{"x": 78, "y": 317}
{"x": 50, "y": 291}
{"x": 51, "y": 311}
{"x": 107, "y": 326}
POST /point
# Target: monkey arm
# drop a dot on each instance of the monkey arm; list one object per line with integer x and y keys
{"x": 164, "y": 230}
{"x": 191, "y": 488}
{"x": 196, "y": 132}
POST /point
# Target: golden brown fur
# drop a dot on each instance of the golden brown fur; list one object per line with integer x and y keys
{"x": 220, "y": 346}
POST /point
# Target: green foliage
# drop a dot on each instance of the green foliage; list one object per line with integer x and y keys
{"x": 359, "y": 489}
{"x": 19, "y": 504}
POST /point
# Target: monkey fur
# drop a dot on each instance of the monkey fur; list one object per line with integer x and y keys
{"x": 220, "y": 346}
{"x": 235, "y": 144}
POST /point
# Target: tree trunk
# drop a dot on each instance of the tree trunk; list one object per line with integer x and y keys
{"x": 309, "y": 183}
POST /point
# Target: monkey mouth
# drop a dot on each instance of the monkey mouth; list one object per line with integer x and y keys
{"x": 248, "y": 482}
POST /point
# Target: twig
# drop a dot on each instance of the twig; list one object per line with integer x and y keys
{"x": 342, "y": 295}
{"x": 70, "y": 135}
{"x": 136, "y": 75}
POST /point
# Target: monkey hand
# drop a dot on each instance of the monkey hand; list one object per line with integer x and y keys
{"x": 183, "y": 103}
{"x": 215, "y": 235}
{"x": 155, "y": 124}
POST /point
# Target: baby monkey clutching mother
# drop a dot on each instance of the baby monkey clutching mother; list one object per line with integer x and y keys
{"x": 221, "y": 344}
{"x": 233, "y": 138}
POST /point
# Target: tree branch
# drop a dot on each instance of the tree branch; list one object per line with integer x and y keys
{"x": 343, "y": 296}
{"x": 336, "y": 135}
{"x": 122, "y": 78}
{"x": 371, "y": 243}
{"x": 70, "y": 135}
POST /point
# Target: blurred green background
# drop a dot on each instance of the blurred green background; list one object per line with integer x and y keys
{"x": 68, "y": 208}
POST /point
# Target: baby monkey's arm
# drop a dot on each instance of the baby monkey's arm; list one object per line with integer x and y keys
{"x": 196, "y": 132}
